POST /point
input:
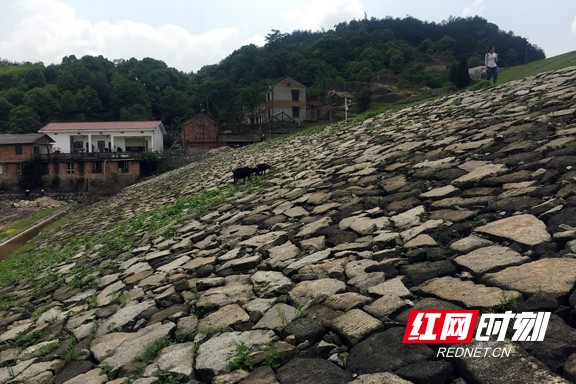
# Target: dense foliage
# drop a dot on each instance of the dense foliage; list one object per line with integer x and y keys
{"x": 405, "y": 51}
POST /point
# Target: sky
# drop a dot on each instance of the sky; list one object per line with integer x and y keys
{"x": 189, "y": 34}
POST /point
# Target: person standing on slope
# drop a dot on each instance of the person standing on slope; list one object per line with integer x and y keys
{"x": 491, "y": 65}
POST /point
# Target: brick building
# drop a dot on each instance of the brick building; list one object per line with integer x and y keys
{"x": 100, "y": 155}
{"x": 198, "y": 134}
{"x": 82, "y": 156}
{"x": 15, "y": 149}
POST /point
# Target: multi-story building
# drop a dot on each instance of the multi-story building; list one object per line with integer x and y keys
{"x": 15, "y": 150}
{"x": 285, "y": 100}
{"x": 82, "y": 155}
{"x": 107, "y": 136}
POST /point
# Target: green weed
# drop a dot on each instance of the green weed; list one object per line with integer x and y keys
{"x": 241, "y": 359}
{"x": 153, "y": 350}
{"x": 271, "y": 357}
{"x": 70, "y": 354}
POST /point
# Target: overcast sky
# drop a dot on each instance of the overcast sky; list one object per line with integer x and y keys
{"x": 188, "y": 34}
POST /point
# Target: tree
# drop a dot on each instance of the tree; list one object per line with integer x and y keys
{"x": 149, "y": 163}
{"x": 174, "y": 107}
{"x": 23, "y": 119}
{"x": 364, "y": 99}
{"x": 248, "y": 101}
{"x": 34, "y": 77}
{"x": 126, "y": 95}
{"x": 32, "y": 171}
{"x": 462, "y": 75}
{"x": 44, "y": 101}
{"x": 5, "y": 108}
{"x": 395, "y": 60}
{"x": 275, "y": 36}
{"x": 446, "y": 44}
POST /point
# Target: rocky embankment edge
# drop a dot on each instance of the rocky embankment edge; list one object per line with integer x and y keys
{"x": 307, "y": 274}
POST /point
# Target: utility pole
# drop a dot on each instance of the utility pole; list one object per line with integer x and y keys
{"x": 270, "y": 110}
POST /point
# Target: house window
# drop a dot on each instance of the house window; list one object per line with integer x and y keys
{"x": 96, "y": 167}
{"x": 77, "y": 146}
{"x": 295, "y": 112}
{"x": 36, "y": 150}
{"x": 295, "y": 94}
{"x": 18, "y": 149}
{"x": 45, "y": 169}
{"x": 70, "y": 167}
{"x": 19, "y": 169}
{"x": 1, "y": 169}
{"x": 123, "y": 167}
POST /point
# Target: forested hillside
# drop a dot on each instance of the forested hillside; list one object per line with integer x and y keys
{"x": 404, "y": 52}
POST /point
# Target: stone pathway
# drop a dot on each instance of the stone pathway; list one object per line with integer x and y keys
{"x": 307, "y": 274}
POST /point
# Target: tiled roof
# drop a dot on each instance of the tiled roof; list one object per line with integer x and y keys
{"x": 101, "y": 126}
{"x": 21, "y": 138}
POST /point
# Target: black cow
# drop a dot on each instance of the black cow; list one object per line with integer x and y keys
{"x": 243, "y": 173}
{"x": 262, "y": 168}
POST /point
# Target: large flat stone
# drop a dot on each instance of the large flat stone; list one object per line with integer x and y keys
{"x": 525, "y": 229}
{"x": 490, "y": 259}
{"x": 549, "y": 276}
{"x": 355, "y": 325}
{"x": 135, "y": 345}
{"x": 214, "y": 354}
{"x": 315, "y": 290}
{"x": 468, "y": 293}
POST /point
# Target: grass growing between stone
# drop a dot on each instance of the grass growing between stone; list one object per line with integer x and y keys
{"x": 150, "y": 353}
{"x": 36, "y": 260}
{"x": 241, "y": 359}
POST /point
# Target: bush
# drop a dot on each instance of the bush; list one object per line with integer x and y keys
{"x": 31, "y": 174}
{"x": 149, "y": 163}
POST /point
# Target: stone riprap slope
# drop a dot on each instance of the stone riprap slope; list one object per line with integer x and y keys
{"x": 307, "y": 274}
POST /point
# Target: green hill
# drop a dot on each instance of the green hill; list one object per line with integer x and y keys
{"x": 551, "y": 64}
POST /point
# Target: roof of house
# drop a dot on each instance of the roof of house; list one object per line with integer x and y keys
{"x": 199, "y": 116}
{"x": 102, "y": 126}
{"x": 22, "y": 138}
{"x": 293, "y": 83}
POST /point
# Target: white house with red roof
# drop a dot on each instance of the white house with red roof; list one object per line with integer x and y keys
{"x": 106, "y": 136}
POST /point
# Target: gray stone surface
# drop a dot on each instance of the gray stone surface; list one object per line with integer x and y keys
{"x": 214, "y": 354}
{"x": 525, "y": 229}
{"x": 386, "y": 352}
{"x": 519, "y": 367}
{"x": 490, "y": 259}
{"x": 355, "y": 325}
{"x": 468, "y": 293}
{"x": 548, "y": 276}
{"x": 177, "y": 359}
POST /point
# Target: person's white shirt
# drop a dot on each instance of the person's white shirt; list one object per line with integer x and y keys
{"x": 491, "y": 60}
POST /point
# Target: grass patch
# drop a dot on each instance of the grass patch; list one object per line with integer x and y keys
{"x": 550, "y": 64}
{"x": 23, "y": 224}
{"x": 28, "y": 261}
